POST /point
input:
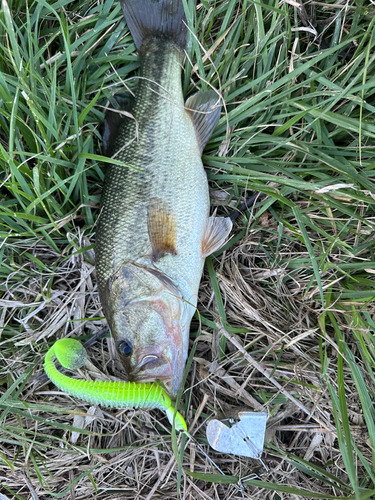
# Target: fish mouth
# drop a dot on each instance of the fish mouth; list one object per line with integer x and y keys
{"x": 150, "y": 367}
{"x": 153, "y": 362}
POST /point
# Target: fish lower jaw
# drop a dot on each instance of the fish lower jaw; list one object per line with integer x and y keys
{"x": 165, "y": 382}
{"x": 148, "y": 378}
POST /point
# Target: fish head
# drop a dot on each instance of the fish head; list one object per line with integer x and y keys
{"x": 151, "y": 330}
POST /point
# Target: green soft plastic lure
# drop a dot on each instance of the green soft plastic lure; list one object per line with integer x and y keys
{"x": 71, "y": 354}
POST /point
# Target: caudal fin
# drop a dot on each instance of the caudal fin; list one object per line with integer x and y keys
{"x": 163, "y": 19}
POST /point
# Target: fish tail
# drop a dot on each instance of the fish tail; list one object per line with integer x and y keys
{"x": 155, "y": 19}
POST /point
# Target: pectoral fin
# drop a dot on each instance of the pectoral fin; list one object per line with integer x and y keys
{"x": 205, "y": 113}
{"x": 216, "y": 231}
{"x": 161, "y": 229}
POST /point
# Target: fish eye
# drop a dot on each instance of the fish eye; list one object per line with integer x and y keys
{"x": 125, "y": 347}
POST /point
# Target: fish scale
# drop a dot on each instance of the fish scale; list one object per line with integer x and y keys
{"x": 165, "y": 174}
{"x": 151, "y": 238}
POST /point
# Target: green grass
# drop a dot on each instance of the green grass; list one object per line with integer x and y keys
{"x": 295, "y": 284}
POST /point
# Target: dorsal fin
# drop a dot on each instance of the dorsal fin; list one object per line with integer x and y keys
{"x": 113, "y": 120}
{"x": 215, "y": 233}
{"x": 205, "y": 112}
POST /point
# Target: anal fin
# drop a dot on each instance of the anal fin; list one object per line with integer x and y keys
{"x": 161, "y": 229}
{"x": 205, "y": 113}
{"x": 216, "y": 231}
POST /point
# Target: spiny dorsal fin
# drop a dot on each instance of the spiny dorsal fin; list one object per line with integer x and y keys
{"x": 215, "y": 233}
{"x": 113, "y": 120}
{"x": 205, "y": 113}
{"x": 161, "y": 229}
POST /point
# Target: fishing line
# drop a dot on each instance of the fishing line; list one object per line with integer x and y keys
{"x": 202, "y": 450}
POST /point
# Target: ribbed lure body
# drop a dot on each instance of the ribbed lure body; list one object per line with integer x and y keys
{"x": 71, "y": 354}
{"x": 108, "y": 393}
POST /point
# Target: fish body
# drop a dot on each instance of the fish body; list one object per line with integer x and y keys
{"x": 154, "y": 230}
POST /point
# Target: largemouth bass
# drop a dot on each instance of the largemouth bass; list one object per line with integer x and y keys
{"x": 154, "y": 229}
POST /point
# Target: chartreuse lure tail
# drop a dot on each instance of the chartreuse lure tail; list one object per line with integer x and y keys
{"x": 72, "y": 355}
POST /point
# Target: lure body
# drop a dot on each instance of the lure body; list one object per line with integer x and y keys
{"x": 72, "y": 355}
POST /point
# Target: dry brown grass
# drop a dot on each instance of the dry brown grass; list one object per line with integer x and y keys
{"x": 127, "y": 455}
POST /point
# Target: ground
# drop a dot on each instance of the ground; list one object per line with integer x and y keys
{"x": 285, "y": 321}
